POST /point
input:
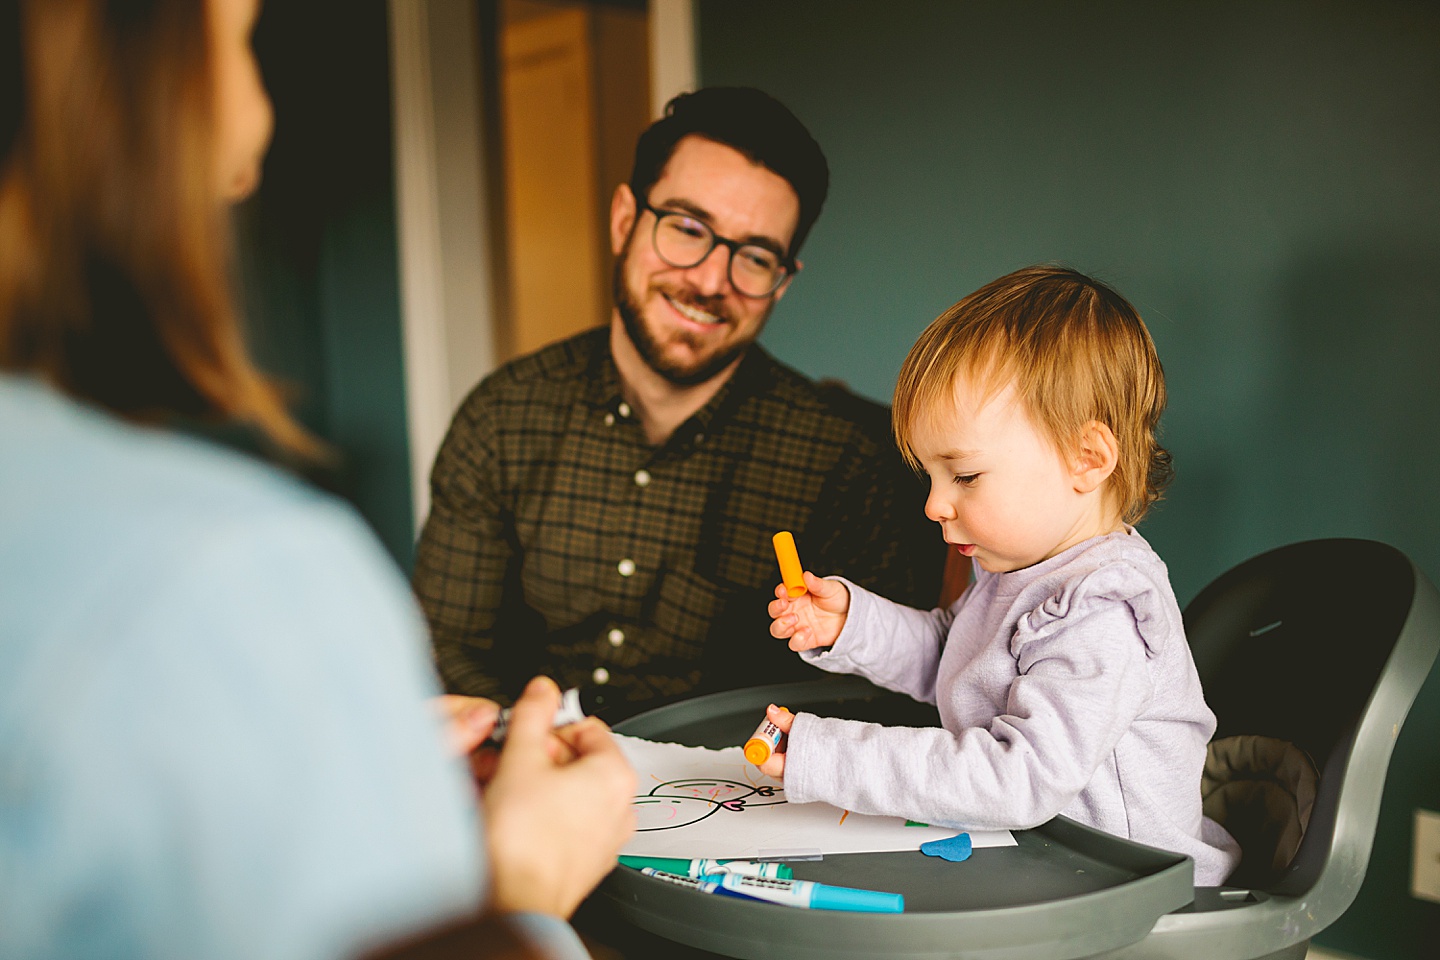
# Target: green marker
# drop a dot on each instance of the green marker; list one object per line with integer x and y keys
{"x": 695, "y": 869}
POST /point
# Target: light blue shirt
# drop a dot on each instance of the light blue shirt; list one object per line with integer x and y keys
{"x": 214, "y": 734}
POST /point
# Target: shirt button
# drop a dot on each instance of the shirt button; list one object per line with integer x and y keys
{"x": 609, "y": 419}
{"x": 624, "y": 409}
{"x": 601, "y": 675}
{"x": 699, "y": 438}
{"x": 616, "y": 637}
{"x": 626, "y": 567}
{"x": 642, "y": 478}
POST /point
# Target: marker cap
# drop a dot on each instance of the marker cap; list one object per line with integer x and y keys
{"x": 826, "y": 897}
{"x": 663, "y": 864}
{"x": 790, "y": 569}
{"x": 764, "y": 741}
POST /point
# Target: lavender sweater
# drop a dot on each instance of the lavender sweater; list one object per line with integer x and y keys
{"x": 1064, "y": 688}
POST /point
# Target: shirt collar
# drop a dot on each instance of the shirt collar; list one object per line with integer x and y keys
{"x": 756, "y": 373}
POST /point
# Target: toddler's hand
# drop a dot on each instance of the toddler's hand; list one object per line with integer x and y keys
{"x": 813, "y": 619}
{"x": 774, "y": 766}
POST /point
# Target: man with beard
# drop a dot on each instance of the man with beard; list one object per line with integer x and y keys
{"x": 602, "y": 510}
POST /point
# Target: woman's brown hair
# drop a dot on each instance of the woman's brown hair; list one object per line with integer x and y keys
{"x": 114, "y": 247}
{"x": 1075, "y": 350}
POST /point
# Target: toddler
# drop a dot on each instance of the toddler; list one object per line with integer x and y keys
{"x": 1062, "y": 675}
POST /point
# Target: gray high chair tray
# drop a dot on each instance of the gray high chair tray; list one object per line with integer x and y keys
{"x": 1066, "y": 891}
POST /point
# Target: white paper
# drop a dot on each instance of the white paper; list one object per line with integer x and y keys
{"x": 695, "y": 802}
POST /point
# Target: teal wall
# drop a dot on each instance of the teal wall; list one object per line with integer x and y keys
{"x": 1261, "y": 180}
{"x": 318, "y": 250}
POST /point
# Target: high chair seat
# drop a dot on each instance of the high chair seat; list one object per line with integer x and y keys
{"x": 1262, "y": 790}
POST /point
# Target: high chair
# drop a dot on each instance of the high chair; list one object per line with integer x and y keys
{"x": 1310, "y": 681}
{"x": 1311, "y": 656}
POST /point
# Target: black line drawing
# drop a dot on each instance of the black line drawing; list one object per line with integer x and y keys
{"x": 680, "y": 803}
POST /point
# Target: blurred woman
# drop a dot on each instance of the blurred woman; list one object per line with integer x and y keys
{"x": 215, "y": 739}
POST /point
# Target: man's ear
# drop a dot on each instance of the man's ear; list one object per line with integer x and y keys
{"x": 785, "y": 284}
{"x": 622, "y": 217}
{"x": 1096, "y": 454}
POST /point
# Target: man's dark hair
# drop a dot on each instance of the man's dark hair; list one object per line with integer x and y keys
{"x": 749, "y": 121}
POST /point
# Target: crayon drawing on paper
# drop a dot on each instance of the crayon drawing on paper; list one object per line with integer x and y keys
{"x": 695, "y": 802}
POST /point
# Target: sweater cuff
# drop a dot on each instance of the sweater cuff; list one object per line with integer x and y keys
{"x": 837, "y": 658}
{"x": 552, "y": 938}
{"x": 801, "y": 762}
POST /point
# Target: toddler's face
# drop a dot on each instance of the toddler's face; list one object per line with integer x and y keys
{"x": 1000, "y": 490}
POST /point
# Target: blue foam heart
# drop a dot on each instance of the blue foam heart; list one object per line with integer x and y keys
{"x": 954, "y": 848}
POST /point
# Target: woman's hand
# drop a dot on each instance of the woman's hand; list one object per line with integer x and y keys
{"x": 468, "y": 721}
{"x": 813, "y": 619}
{"x": 558, "y": 808}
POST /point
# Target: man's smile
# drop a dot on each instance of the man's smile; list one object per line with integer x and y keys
{"x": 693, "y": 313}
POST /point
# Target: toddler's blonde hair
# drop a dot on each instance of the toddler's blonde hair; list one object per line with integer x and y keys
{"x": 1075, "y": 350}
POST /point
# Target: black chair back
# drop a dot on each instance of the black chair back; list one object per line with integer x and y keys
{"x": 1292, "y": 644}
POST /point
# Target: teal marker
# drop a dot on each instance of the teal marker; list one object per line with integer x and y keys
{"x": 695, "y": 869}
{"x": 811, "y": 895}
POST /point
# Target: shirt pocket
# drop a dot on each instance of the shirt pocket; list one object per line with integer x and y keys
{"x": 687, "y": 605}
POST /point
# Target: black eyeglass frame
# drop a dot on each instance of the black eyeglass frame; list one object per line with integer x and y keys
{"x": 788, "y": 266}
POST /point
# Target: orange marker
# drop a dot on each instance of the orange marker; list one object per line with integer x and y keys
{"x": 790, "y": 570}
{"x": 764, "y": 741}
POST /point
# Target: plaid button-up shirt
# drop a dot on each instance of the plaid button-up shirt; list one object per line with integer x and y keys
{"x": 560, "y": 542}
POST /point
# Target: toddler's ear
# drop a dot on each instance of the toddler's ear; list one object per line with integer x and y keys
{"x": 1096, "y": 454}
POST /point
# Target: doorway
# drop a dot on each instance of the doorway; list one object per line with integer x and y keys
{"x": 574, "y": 94}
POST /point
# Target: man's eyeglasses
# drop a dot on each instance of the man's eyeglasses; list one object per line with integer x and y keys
{"x": 683, "y": 241}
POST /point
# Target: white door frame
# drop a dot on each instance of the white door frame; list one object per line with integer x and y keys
{"x": 447, "y": 306}
{"x": 673, "y": 60}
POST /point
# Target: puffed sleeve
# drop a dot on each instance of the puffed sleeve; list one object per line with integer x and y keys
{"x": 887, "y": 643}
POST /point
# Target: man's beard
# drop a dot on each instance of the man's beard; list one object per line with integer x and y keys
{"x": 649, "y": 347}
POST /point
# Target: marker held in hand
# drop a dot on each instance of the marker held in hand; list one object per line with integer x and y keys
{"x": 790, "y": 569}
